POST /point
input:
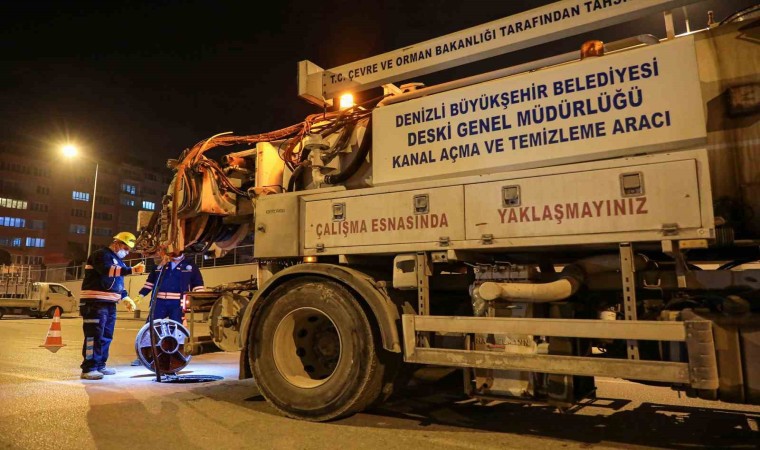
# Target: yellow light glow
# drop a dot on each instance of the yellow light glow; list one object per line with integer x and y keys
{"x": 69, "y": 151}
{"x": 346, "y": 101}
{"x": 309, "y": 259}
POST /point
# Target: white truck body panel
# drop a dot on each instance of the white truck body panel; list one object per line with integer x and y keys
{"x": 621, "y": 104}
{"x": 674, "y": 193}
{"x": 587, "y": 202}
{"x": 390, "y": 218}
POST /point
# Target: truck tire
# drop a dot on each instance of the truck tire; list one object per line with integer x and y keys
{"x": 313, "y": 351}
{"x": 51, "y": 312}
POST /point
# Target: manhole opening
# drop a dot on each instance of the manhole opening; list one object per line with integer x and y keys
{"x": 190, "y": 378}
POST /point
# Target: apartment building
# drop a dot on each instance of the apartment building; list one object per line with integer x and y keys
{"x": 46, "y": 205}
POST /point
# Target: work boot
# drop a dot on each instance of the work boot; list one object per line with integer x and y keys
{"x": 91, "y": 375}
{"x": 136, "y": 362}
{"x": 107, "y": 371}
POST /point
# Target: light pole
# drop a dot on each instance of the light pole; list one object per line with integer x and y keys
{"x": 71, "y": 151}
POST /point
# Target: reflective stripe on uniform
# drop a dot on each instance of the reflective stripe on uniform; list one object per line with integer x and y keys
{"x": 114, "y": 271}
{"x": 91, "y": 320}
{"x": 169, "y": 295}
{"x": 88, "y": 348}
{"x": 101, "y": 295}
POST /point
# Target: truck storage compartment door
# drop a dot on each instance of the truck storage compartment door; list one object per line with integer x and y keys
{"x": 418, "y": 216}
{"x": 641, "y": 198}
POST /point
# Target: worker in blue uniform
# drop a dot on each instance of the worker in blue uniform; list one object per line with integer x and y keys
{"x": 180, "y": 276}
{"x": 102, "y": 289}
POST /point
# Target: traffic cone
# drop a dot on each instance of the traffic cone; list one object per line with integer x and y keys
{"x": 54, "y": 341}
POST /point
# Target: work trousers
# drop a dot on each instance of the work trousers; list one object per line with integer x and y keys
{"x": 167, "y": 309}
{"x": 98, "y": 323}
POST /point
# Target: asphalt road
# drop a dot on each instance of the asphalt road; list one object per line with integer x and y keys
{"x": 44, "y": 404}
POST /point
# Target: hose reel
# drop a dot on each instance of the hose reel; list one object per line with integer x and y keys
{"x": 171, "y": 354}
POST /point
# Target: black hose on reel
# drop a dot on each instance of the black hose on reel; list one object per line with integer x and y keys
{"x": 355, "y": 163}
{"x": 153, "y": 337}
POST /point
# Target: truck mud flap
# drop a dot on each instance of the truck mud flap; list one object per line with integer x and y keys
{"x": 737, "y": 347}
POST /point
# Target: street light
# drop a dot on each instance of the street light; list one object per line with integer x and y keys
{"x": 70, "y": 151}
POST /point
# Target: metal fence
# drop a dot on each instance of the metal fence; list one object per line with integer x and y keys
{"x": 59, "y": 273}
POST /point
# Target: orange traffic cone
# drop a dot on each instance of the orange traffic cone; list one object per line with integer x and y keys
{"x": 54, "y": 341}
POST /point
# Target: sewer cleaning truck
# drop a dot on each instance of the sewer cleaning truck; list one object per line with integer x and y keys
{"x": 587, "y": 214}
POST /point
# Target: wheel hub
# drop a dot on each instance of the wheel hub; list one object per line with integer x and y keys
{"x": 306, "y": 347}
{"x": 327, "y": 347}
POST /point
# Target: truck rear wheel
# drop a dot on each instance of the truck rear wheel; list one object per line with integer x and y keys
{"x": 51, "y": 312}
{"x": 313, "y": 351}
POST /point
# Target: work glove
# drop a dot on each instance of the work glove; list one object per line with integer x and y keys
{"x": 138, "y": 299}
{"x": 138, "y": 268}
{"x": 129, "y": 304}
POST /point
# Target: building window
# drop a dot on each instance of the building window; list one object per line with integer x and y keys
{"x": 42, "y": 207}
{"x": 102, "y": 231}
{"x": 151, "y": 176}
{"x": 36, "y": 224}
{"x": 32, "y": 260}
{"x": 41, "y": 172}
{"x": 77, "y": 229}
{"x": 103, "y": 216}
{"x": 103, "y": 200}
{"x": 35, "y": 242}
{"x": 81, "y": 196}
{"x": 15, "y": 167}
{"x": 10, "y": 242}
{"x": 79, "y": 213}
{"x": 10, "y": 187}
{"x": 148, "y": 205}
{"x": 127, "y": 201}
{"x": 44, "y": 190}
{"x": 14, "y": 222}
{"x": 129, "y": 188}
{"x": 128, "y": 173}
{"x": 11, "y": 203}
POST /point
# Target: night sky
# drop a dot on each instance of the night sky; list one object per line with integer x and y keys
{"x": 148, "y": 79}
